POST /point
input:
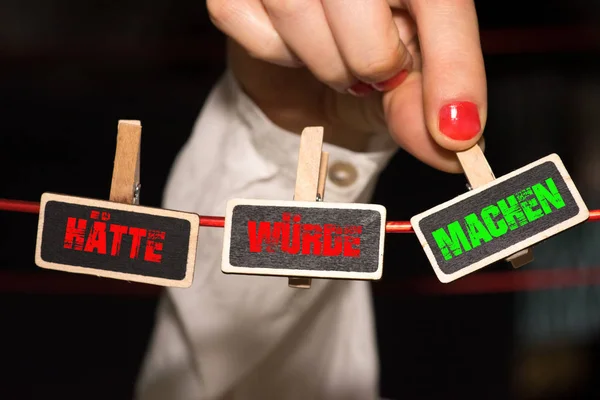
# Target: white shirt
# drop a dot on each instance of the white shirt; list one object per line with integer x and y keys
{"x": 252, "y": 337}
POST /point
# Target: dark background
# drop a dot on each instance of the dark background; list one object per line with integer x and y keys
{"x": 70, "y": 69}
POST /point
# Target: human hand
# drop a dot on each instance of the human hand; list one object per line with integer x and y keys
{"x": 317, "y": 63}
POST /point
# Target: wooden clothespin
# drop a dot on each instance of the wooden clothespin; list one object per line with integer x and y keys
{"x": 125, "y": 186}
{"x": 311, "y": 177}
{"x": 305, "y": 238}
{"x": 498, "y": 218}
{"x": 118, "y": 239}
{"x": 479, "y": 172}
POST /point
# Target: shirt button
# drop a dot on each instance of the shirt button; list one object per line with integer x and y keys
{"x": 342, "y": 173}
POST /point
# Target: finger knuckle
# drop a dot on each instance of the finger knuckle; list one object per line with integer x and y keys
{"x": 269, "y": 49}
{"x": 417, "y": 7}
{"x": 284, "y": 8}
{"x": 220, "y": 11}
{"x": 377, "y": 63}
{"x": 335, "y": 78}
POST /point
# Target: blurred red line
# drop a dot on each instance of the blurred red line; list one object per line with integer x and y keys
{"x": 60, "y": 283}
{"x": 493, "y": 41}
{"x": 496, "y": 282}
{"x": 541, "y": 40}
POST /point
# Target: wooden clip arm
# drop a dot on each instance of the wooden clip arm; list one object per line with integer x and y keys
{"x": 126, "y": 171}
{"x": 479, "y": 173}
{"x": 310, "y": 179}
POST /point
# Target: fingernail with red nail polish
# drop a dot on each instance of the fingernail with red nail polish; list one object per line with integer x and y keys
{"x": 460, "y": 120}
{"x": 360, "y": 89}
{"x": 392, "y": 82}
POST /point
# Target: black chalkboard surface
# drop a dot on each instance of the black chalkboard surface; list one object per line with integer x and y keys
{"x": 308, "y": 239}
{"x": 499, "y": 219}
{"x": 116, "y": 240}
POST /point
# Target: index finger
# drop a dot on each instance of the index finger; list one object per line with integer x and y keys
{"x": 454, "y": 81}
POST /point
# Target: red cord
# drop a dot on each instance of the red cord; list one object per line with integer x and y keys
{"x": 219, "y": 222}
{"x": 20, "y": 206}
{"x": 214, "y": 222}
{"x": 481, "y": 283}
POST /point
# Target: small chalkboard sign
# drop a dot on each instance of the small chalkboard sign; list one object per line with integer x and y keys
{"x": 304, "y": 238}
{"x": 499, "y": 218}
{"x": 116, "y": 240}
